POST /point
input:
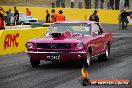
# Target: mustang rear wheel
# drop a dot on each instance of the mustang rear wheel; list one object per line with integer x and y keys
{"x": 105, "y": 56}
{"x": 88, "y": 60}
{"x": 34, "y": 63}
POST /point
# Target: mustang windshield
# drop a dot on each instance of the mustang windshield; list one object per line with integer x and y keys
{"x": 82, "y": 28}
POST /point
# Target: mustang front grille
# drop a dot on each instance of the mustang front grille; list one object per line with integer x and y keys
{"x": 54, "y": 45}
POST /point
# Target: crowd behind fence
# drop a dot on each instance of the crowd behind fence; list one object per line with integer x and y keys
{"x": 96, "y": 4}
{"x": 88, "y": 4}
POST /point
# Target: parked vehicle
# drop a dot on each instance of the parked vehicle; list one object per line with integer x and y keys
{"x": 23, "y": 19}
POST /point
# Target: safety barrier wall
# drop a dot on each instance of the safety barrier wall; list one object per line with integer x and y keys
{"x": 13, "y": 41}
{"x": 106, "y": 16}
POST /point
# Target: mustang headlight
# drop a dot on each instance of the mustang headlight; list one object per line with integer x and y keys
{"x": 29, "y": 45}
{"x": 80, "y": 45}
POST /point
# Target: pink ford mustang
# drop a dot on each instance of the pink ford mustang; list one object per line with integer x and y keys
{"x": 70, "y": 41}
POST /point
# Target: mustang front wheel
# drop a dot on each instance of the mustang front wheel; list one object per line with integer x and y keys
{"x": 88, "y": 60}
{"x": 34, "y": 63}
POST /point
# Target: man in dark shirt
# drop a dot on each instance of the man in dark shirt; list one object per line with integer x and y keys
{"x": 47, "y": 17}
{"x": 87, "y": 4}
{"x": 96, "y": 2}
{"x": 62, "y": 3}
{"x": 108, "y": 4}
{"x": 94, "y": 17}
{"x": 111, "y": 4}
{"x": 1, "y": 20}
{"x": 72, "y": 3}
{"x": 16, "y": 16}
{"x": 101, "y": 4}
{"x": 53, "y": 3}
{"x": 124, "y": 19}
{"x": 80, "y": 4}
{"x": 58, "y": 3}
{"x": 8, "y": 17}
{"x": 126, "y": 4}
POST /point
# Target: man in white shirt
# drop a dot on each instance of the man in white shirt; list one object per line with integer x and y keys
{"x": 122, "y": 4}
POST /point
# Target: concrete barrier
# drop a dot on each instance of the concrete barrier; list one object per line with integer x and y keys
{"x": 106, "y": 16}
{"x": 13, "y": 41}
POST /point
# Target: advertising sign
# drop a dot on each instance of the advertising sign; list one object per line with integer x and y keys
{"x": 130, "y": 17}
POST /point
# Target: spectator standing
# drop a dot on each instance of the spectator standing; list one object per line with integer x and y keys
{"x": 53, "y": 16}
{"x": 101, "y": 4}
{"x": 3, "y": 12}
{"x": 87, "y": 4}
{"x": 58, "y": 3}
{"x": 72, "y": 3}
{"x": 112, "y": 4}
{"x": 80, "y": 4}
{"x": 108, "y": 4}
{"x": 126, "y": 5}
{"x": 47, "y": 17}
{"x": 63, "y": 3}
{"x": 8, "y": 17}
{"x": 90, "y": 4}
{"x": 60, "y": 16}
{"x": 96, "y": 2}
{"x": 94, "y": 17}
{"x": 122, "y": 4}
{"x": 53, "y": 3}
{"x": 124, "y": 19}
{"x": 28, "y": 12}
{"x": 2, "y": 21}
{"x": 120, "y": 20}
{"x": 16, "y": 16}
{"x": 117, "y": 3}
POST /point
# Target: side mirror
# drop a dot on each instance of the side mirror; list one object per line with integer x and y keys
{"x": 95, "y": 33}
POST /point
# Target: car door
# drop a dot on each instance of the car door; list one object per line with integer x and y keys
{"x": 98, "y": 39}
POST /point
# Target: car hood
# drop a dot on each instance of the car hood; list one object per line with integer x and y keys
{"x": 75, "y": 38}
